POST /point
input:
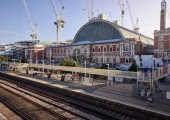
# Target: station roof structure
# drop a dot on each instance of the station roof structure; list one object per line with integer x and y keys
{"x": 98, "y": 30}
{"x": 104, "y": 72}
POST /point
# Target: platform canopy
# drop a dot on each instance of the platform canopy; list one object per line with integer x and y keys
{"x": 115, "y": 73}
{"x": 104, "y": 72}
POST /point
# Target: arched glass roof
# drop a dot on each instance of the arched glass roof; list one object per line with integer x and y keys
{"x": 97, "y": 31}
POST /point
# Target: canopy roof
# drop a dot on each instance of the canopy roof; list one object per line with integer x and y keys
{"x": 100, "y": 30}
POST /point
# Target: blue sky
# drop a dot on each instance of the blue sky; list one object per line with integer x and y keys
{"x": 14, "y": 25}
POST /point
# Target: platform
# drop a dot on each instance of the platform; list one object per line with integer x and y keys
{"x": 103, "y": 92}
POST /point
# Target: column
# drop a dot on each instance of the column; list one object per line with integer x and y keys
{"x": 131, "y": 47}
{"x": 120, "y": 49}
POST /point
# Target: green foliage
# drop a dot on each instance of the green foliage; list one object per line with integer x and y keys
{"x": 133, "y": 67}
{"x": 70, "y": 62}
{"x": 4, "y": 58}
{"x": 104, "y": 66}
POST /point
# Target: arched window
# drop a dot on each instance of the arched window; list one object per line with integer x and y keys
{"x": 97, "y": 31}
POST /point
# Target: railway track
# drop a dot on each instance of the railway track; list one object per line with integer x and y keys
{"x": 21, "y": 113}
{"x": 77, "y": 114}
{"x": 108, "y": 114}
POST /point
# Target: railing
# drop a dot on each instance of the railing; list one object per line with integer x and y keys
{"x": 161, "y": 72}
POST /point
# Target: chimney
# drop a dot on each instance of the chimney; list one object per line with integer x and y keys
{"x": 163, "y": 15}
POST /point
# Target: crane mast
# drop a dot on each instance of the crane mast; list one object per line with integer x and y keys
{"x": 59, "y": 21}
{"x": 130, "y": 14}
{"x": 122, "y": 12}
{"x": 135, "y": 26}
{"x": 34, "y": 34}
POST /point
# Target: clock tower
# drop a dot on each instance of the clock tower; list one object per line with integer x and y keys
{"x": 163, "y": 15}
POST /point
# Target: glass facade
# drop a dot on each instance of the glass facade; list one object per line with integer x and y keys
{"x": 97, "y": 31}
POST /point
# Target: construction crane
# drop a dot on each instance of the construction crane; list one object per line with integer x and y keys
{"x": 33, "y": 28}
{"x": 92, "y": 6}
{"x": 59, "y": 20}
{"x": 135, "y": 26}
{"x": 122, "y": 12}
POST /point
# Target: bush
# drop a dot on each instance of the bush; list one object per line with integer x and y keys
{"x": 4, "y": 58}
{"x": 104, "y": 66}
{"x": 133, "y": 67}
{"x": 69, "y": 62}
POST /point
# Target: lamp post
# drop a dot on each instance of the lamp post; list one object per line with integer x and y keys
{"x": 50, "y": 56}
{"x": 107, "y": 74}
{"x": 20, "y": 64}
{"x": 85, "y": 68}
{"x": 36, "y": 58}
{"x": 52, "y": 62}
{"x": 43, "y": 68}
{"x": 152, "y": 80}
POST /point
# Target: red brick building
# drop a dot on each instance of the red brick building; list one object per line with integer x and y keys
{"x": 162, "y": 37}
{"x": 103, "y": 42}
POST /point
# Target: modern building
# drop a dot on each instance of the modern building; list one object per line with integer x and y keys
{"x": 162, "y": 37}
{"x": 103, "y": 42}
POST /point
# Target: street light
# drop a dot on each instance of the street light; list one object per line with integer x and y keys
{"x": 152, "y": 80}
{"x": 53, "y": 62}
{"x": 20, "y": 64}
{"x": 85, "y": 68}
{"x": 108, "y": 74}
{"x": 43, "y": 68}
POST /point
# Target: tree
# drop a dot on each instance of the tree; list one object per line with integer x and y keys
{"x": 69, "y": 62}
{"x": 104, "y": 66}
{"x": 133, "y": 67}
{"x": 4, "y": 58}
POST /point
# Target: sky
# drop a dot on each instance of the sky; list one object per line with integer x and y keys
{"x": 14, "y": 24}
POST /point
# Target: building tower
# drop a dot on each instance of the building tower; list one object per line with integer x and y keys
{"x": 163, "y": 15}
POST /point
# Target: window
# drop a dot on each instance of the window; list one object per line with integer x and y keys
{"x": 108, "y": 60}
{"x": 126, "y": 60}
{"x": 99, "y": 50}
{"x": 126, "y": 48}
{"x": 160, "y": 55}
{"x": 160, "y": 45}
{"x": 93, "y": 50}
{"x": 160, "y": 38}
{"x": 97, "y": 31}
{"x": 117, "y": 48}
{"x": 165, "y": 54}
{"x": 111, "y": 49}
{"x": 104, "y": 49}
{"x": 117, "y": 60}
{"x": 101, "y": 59}
{"x": 168, "y": 54}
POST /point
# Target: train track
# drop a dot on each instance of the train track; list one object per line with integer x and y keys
{"x": 91, "y": 108}
{"x": 21, "y": 113}
{"x": 77, "y": 114}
